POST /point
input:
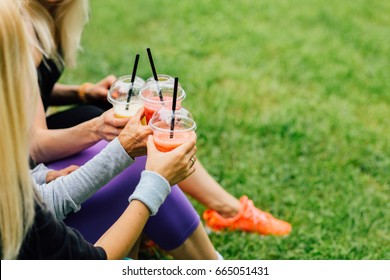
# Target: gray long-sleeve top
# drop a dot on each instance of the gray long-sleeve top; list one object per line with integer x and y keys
{"x": 65, "y": 194}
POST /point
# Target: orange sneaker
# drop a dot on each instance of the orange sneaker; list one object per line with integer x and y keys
{"x": 249, "y": 219}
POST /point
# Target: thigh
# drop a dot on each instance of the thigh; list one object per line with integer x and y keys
{"x": 174, "y": 222}
{"x": 73, "y": 116}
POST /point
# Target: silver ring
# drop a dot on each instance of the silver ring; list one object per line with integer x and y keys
{"x": 193, "y": 160}
{"x": 116, "y": 132}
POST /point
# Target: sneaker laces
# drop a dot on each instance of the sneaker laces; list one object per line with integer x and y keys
{"x": 252, "y": 213}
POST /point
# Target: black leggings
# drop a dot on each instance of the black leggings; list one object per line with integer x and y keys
{"x": 73, "y": 116}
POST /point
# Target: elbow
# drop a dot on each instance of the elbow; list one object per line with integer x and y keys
{"x": 37, "y": 154}
{"x": 36, "y": 151}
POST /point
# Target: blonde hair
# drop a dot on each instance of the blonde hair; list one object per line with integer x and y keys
{"x": 17, "y": 77}
{"x": 58, "y": 28}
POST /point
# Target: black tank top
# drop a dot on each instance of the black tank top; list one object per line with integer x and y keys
{"x": 48, "y": 74}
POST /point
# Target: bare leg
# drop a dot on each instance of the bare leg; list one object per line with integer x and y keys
{"x": 202, "y": 187}
{"x": 197, "y": 247}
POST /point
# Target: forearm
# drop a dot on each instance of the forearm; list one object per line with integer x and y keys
{"x": 67, "y": 193}
{"x": 53, "y": 144}
{"x": 123, "y": 234}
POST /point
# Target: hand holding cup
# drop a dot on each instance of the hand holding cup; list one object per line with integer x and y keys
{"x": 108, "y": 127}
{"x": 175, "y": 165}
{"x": 134, "y": 135}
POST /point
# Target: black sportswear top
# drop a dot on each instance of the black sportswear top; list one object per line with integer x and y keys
{"x": 48, "y": 74}
{"x": 50, "y": 239}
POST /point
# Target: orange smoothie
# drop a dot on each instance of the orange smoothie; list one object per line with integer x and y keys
{"x": 164, "y": 143}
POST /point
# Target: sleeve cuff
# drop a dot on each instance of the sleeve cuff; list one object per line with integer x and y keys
{"x": 152, "y": 190}
{"x": 39, "y": 173}
{"x": 121, "y": 151}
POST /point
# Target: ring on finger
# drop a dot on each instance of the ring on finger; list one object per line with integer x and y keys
{"x": 192, "y": 160}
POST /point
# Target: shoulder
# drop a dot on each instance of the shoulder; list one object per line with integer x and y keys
{"x": 37, "y": 55}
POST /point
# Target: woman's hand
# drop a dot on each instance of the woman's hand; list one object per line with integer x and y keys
{"x": 54, "y": 174}
{"x": 175, "y": 165}
{"x": 98, "y": 92}
{"x": 134, "y": 135}
{"x": 108, "y": 126}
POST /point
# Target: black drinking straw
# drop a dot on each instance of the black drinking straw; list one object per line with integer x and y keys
{"x": 174, "y": 106}
{"x": 132, "y": 81}
{"x": 154, "y": 73}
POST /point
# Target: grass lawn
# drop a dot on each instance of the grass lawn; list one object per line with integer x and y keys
{"x": 292, "y": 102}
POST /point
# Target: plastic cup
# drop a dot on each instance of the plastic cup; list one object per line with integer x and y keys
{"x": 150, "y": 96}
{"x": 118, "y": 96}
{"x": 167, "y": 139}
{"x": 162, "y": 79}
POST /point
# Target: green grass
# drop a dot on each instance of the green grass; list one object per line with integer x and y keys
{"x": 292, "y": 102}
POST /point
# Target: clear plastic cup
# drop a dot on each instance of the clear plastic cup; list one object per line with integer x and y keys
{"x": 165, "y": 138}
{"x": 150, "y": 95}
{"x": 118, "y": 95}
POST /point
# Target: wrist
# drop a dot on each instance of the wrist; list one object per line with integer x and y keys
{"x": 125, "y": 145}
{"x": 126, "y": 148}
{"x": 82, "y": 91}
{"x": 92, "y": 126}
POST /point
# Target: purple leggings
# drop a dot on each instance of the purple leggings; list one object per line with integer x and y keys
{"x": 175, "y": 221}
